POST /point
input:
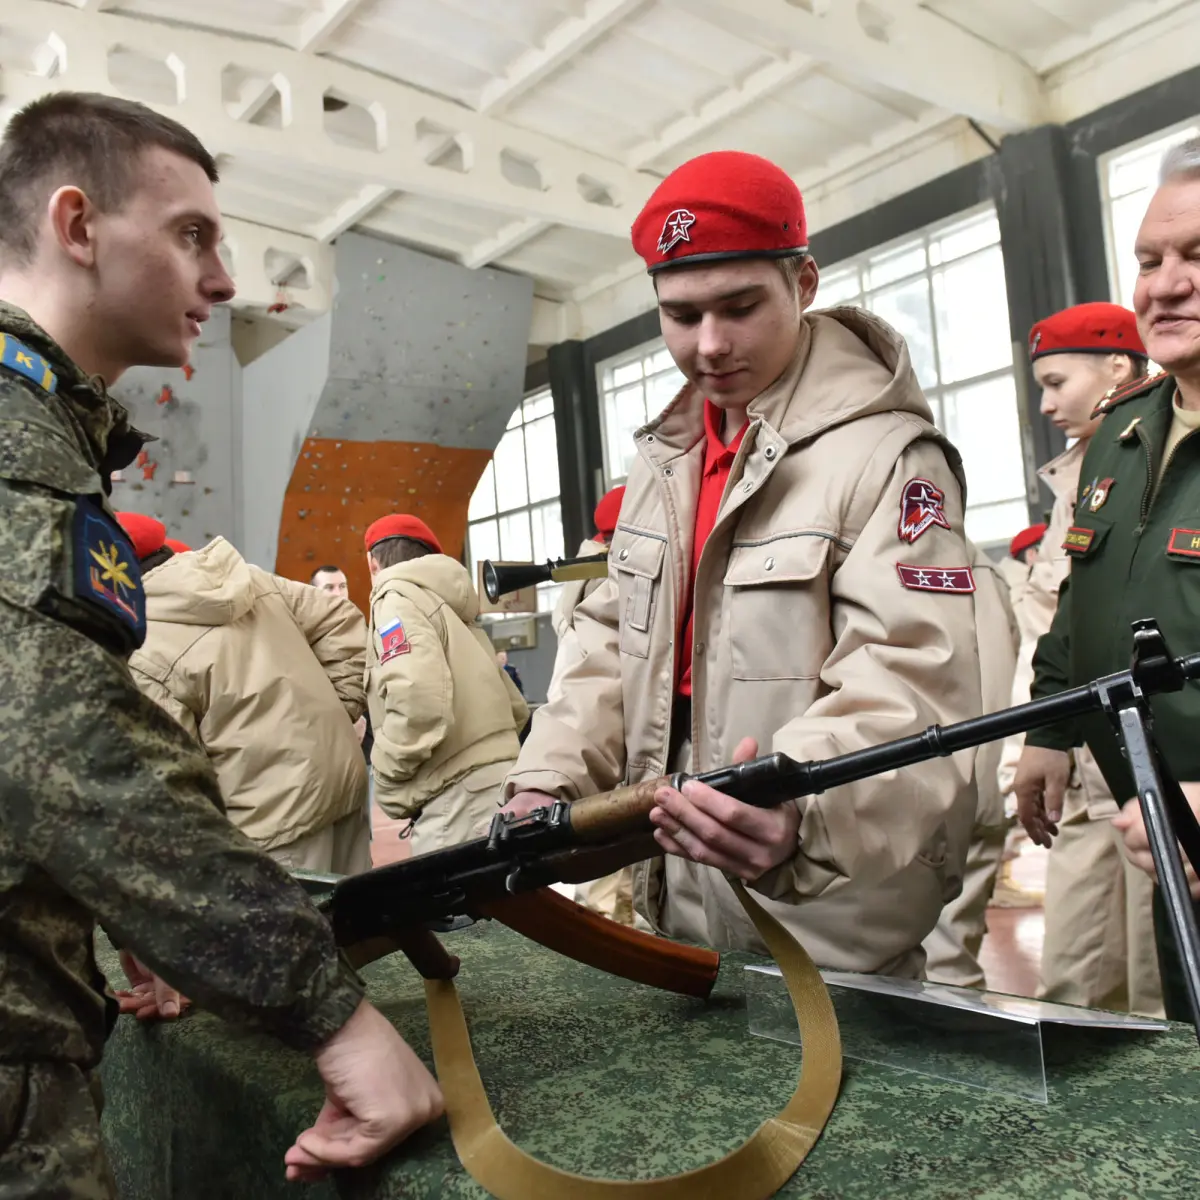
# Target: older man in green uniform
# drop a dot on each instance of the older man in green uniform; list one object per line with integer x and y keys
{"x": 109, "y": 811}
{"x": 1135, "y": 544}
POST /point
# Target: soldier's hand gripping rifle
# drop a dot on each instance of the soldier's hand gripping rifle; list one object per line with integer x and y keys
{"x": 505, "y": 875}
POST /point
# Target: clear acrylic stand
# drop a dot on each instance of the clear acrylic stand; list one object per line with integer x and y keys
{"x": 979, "y": 1039}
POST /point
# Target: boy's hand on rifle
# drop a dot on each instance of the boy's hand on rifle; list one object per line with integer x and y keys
{"x": 1040, "y": 785}
{"x": 716, "y": 830}
{"x": 523, "y": 803}
{"x": 1130, "y": 824}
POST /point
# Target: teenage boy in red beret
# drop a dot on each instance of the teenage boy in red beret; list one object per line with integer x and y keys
{"x": 445, "y": 716}
{"x": 789, "y": 572}
{"x": 1099, "y": 949}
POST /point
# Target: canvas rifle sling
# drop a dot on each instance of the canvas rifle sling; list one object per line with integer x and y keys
{"x": 754, "y": 1171}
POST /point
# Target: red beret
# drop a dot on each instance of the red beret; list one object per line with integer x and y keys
{"x": 608, "y": 510}
{"x": 401, "y": 525}
{"x": 721, "y": 205}
{"x": 146, "y": 534}
{"x": 1025, "y": 539}
{"x": 1096, "y": 328}
{"x": 176, "y": 545}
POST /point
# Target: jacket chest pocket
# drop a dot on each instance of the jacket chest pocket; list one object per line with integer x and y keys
{"x": 638, "y": 559}
{"x": 778, "y": 605}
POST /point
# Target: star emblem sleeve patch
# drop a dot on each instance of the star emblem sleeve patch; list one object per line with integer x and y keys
{"x": 107, "y": 573}
{"x": 395, "y": 641}
{"x": 937, "y": 579}
{"x": 922, "y": 506}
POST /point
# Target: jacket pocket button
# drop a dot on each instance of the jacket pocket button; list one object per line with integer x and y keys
{"x": 769, "y": 453}
{"x": 769, "y": 565}
{"x": 623, "y": 555}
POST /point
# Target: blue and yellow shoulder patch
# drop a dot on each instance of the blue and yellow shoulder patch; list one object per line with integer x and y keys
{"x": 17, "y": 356}
{"x": 1119, "y": 395}
{"x": 107, "y": 573}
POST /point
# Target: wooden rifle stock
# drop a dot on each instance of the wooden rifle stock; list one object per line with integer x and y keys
{"x": 561, "y": 925}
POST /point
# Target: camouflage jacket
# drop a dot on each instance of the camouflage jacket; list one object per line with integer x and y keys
{"x": 108, "y": 810}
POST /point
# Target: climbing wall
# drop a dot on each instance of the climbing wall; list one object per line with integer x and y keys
{"x": 426, "y": 364}
{"x": 393, "y": 402}
{"x": 190, "y": 478}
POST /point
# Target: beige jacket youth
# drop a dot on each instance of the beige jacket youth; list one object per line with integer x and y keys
{"x": 574, "y": 590}
{"x": 443, "y": 706}
{"x": 804, "y": 639}
{"x": 1038, "y": 603}
{"x": 999, "y": 641}
{"x": 267, "y": 675}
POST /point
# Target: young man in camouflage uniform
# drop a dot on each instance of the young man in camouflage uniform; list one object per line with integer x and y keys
{"x": 109, "y": 234}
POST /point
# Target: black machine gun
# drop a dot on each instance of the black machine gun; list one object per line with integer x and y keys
{"x": 506, "y": 874}
{"x": 501, "y": 578}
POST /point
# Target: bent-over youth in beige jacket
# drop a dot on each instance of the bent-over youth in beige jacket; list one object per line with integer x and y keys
{"x": 833, "y": 611}
{"x": 267, "y": 674}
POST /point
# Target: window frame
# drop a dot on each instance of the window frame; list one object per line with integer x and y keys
{"x": 1105, "y": 163}
{"x": 520, "y": 419}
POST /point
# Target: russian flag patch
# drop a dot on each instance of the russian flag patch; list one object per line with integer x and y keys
{"x": 395, "y": 641}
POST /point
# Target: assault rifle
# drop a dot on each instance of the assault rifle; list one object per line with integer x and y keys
{"x": 506, "y": 874}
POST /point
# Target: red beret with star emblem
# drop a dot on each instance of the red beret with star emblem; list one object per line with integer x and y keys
{"x": 146, "y": 534}
{"x": 722, "y": 205}
{"x": 401, "y": 525}
{"x": 1095, "y": 328}
{"x": 1026, "y": 538}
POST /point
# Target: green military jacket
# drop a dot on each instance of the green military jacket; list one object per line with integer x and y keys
{"x": 1135, "y": 550}
{"x": 108, "y": 809}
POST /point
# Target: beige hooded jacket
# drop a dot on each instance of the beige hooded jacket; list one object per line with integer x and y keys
{"x": 267, "y": 674}
{"x": 806, "y": 638}
{"x": 1038, "y": 603}
{"x": 441, "y": 705}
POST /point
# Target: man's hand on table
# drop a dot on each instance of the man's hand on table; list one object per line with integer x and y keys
{"x": 1040, "y": 785}
{"x": 1137, "y": 844}
{"x": 709, "y": 827}
{"x": 148, "y": 998}
{"x": 377, "y": 1092}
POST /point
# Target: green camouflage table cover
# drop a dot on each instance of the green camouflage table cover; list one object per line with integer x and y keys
{"x": 600, "y": 1076}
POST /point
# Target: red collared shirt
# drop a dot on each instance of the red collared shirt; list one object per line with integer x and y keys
{"x": 718, "y": 462}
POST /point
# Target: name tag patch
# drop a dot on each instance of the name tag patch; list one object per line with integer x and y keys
{"x": 1079, "y": 539}
{"x": 936, "y": 579}
{"x": 106, "y": 568}
{"x": 395, "y": 641}
{"x": 1185, "y": 542}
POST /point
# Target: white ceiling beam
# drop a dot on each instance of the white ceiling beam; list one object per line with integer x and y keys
{"x": 320, "y": 27}
{"x": 512, "y": 237}
{"x": 400, "y": 164}
{"x": 866, "y": 154}
{"x": 349, "y": 214}
{"x": 250, "y": 244}
{"x": 903, "y": 47}
{"x": 95, "y": 5}
{"x": 759, "y": 83}
{"x": 563, "y": 42}
{"x": 314, "y": 35}
{"x": 1132, "y": 16}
